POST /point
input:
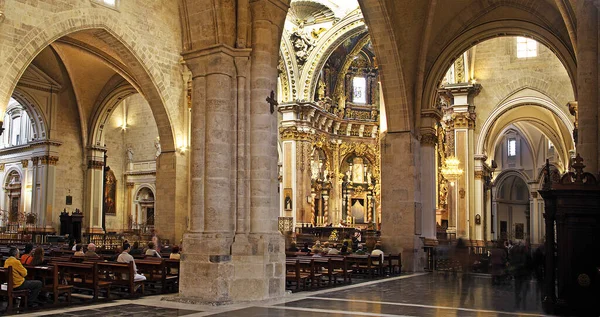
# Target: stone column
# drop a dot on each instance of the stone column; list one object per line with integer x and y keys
{"x": 213, "y": 171}
{"x": 48, "y": 181}
{"x": 92, "y": 211}
{"x": 428, "y": 182}
{"x": 128, "y": 207}
{"x": 479, "y": 197}
{"x": 34, "y": 193}
{"x": 587, "y": 83}
{"x": 401, "y": 198}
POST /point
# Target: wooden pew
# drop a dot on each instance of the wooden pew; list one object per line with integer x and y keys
{"x": 6, "y": 276}
{"x": 50, "y": 273}
{"x": 84, "y": 275}
{"x": 341, "y": 266}
{"x": 294, "y": 276}
{"x": 121, "y": 274}
{"x": 155, "y": 271}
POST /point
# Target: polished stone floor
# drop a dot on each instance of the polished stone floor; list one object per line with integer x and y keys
{"x": 426, "y": 294}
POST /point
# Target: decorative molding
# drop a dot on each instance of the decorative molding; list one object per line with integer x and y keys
{"x": 429, "y": 139}
{"x": 479, "y": 174}
{"x": 29, "y": 146}
{"x": 35, "y": 160}
{"x": 96, "y": 165}
{"x": 2, "y": 165}
{"x": 25, "y": 163}
{"x": 292, "y": 133}
{"x": 48, "y": 160}
{"x": 130, "y": 184}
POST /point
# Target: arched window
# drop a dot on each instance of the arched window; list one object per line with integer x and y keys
{"x": 18, "y": 126}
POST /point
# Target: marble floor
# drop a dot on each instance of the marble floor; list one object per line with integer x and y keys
{"x": 424, "y": 294}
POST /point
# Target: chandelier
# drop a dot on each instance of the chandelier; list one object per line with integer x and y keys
{"x": 450, "y": 170}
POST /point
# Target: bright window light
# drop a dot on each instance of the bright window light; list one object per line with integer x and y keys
{"x": 526, "y": 47}
{"x": 359, "y": 85}
{"x": 512, "y": 147}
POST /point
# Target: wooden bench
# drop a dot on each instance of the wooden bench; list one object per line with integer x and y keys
{"x": 155, "y": 271}
{"x": 340, "y": 265}
{"x": 50, "y": 273}
{"x": 294, "y": 276}
{"x": 6, "y": 276}
{"x": 84, "y": 275}
{"x": 121, "y": 274}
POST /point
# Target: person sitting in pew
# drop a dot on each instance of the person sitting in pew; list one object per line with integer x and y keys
{"x": 151, "y": 252}
{"x": 334, "y": 250}
{"x": 79, "y": 250}
{"x": 19, "y": 273}
{"x": 27, "y": 257}
{"x": 125, "y": 257}
{"x": 91, "y": 251}
{"x": 360, "y": 250}
{"x": 136, "y": 250}
{"x": 293, "y": 247}
{"x": 38, "y": 257}
{"x": 175, "y": 255}
{"x": 377, "y": 252}
{"x": 306, "y": 249}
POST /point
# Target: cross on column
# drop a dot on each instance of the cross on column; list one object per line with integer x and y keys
{"x": 272, "y": 102}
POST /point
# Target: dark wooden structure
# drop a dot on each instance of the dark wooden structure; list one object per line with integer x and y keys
{"x": 572, "y": 204}
{"x": 71, "y": 224}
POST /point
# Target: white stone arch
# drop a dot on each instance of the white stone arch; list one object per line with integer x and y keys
{"x": 5, "y": 198}
{"x": 511, "y": 103}
{"x": 104, "y": 111}
{"x": 39, "y": 123}
{"x": 290, "y": 67}
{"x": 353, "y": 24}
{"x": 485, "y": 31}
{"x": 152, "y": 189}
{"x": 504, "y": 175}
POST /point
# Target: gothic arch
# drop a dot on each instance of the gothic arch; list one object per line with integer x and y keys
{"x": 471, "y": 37}
{"x": 512, "y": 103}
{"x": 117, "y": 36}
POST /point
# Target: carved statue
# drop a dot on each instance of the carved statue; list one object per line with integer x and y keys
{"x": 303, "y": 45}
{"x": 321, "y": 91}
{"x": 130, "y": 154}
{"x": 157, "y": 146}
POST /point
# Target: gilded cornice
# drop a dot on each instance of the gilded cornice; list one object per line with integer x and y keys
{"x": 48, "y": 160}
{"x": 292, "y": 133}
{"x": 463, "y": 120}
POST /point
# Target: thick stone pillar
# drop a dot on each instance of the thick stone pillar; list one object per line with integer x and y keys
{"x": 401, "y": 198}
{"x": 47, "y": 179}
{"x": 34, "y": 181}
{"x": 92, "y": 211}
{"x": 479, "y": 198}
{"x": 206, "y": 262}
{"x": 170, "y": 200}
{"x": 428, "y": 182}
{"x": 587, "y": 84}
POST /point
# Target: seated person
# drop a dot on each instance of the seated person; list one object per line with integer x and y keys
{"x": 360, "y": 250}
{"x": 27, "y": 256}
{"x": 38, "y": 257}
{"x": 305, "y": 249}
{"x": 334, "y": 250}
{"x": 377, "y": 252}
{"x": 19, "y": 273}
{"x": 293, "y": 247}
{"x": 125, "y": 257}
{"x": 175, "y": 255}
{"x": 135, "y": 249}
{"x": 91, "y": 251}
{"x": 151, "y": 252}
{"x": 317, "y": 247}
{"x": 326, "y": 246}
{"x": 78, "y": 250}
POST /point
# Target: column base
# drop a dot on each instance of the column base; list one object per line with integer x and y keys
{"x": 94, "y": 230}
{"x": 220, "y": 269}
{"x": 414, "y": 257}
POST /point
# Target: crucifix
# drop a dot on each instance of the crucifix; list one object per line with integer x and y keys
{"x": 272, "y": 102}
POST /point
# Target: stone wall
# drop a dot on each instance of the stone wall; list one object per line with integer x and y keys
{"x": 140, "y": 134}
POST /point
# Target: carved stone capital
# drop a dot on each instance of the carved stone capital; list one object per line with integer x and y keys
{"x": 96, "y": 165}
{"x": 35, "y": 160}
{"x": 292, "y": 133}
{"x": 464, "y": 120}
{"x": 479, "y": 174}
{"x": 48, "y": 160}
{"x": 429, "y": 139}
{"x": 130, "y": 184}
{"x": 25, "y": 163}
{"x": 2, "y": 165}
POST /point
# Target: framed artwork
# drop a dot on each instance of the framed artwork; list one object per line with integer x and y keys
{"x": 110, "y": 193}
{"x": 287, "y": 199}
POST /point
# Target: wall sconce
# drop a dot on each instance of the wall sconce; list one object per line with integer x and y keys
{"x": 477, "y": 219}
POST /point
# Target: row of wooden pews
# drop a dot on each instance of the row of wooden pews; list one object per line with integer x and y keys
{"x": 306, "y": 272}
{"x": 65, "y": 274}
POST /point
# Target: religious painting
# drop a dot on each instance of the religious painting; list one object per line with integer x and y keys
{"x": 519, "y": 231}
{"x": 358, "y": 171}
{"x": 287, "y": 198}
{"x": 110, "y": 192}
